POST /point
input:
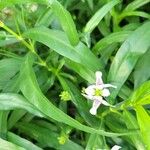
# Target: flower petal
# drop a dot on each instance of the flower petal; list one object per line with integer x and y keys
{"x": 90, "y": 90}
{"x": 96, "y": 104}
{"x": 105, "y": 103}
{"x": 116, "y": 147}
{"x": 88, "y": 96}
{"x": 99, "y": 80}
{"x": 109, "y": 85}
{"x": 105, "y": 92}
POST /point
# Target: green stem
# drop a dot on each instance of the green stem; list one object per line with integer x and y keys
{"x": 18, "y": 37}
{"x": 30, "y": 46}
{"x": 115, "y": 20}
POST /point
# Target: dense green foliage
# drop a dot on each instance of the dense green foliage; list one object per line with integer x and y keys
{"x": 50, "y": 50}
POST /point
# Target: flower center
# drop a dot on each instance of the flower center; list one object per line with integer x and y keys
{"x": 98, "y": 92}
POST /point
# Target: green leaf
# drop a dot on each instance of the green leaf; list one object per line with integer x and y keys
{"x": 8, "y": 68}
{"x": 136, "y": 4}
{"x": 132, "y": 123}
{"x": 142, "y": 95}
{"x": 133, "y": 13}
{"x": 5, "y": 145}
{"x": 21, "y": 142}
{"x": 58, "y": 41}
{"x": 3, "y": 123}
{"x": 84, "y": 72}
{"x": 8, "y": 42}
{"x": 115, "y": 37}
{"x": 14, "y": 117}
{"x": 106, "y": 54}
{"x": 98, "y": 16}
{"x": 9, "y": 101}
{"x": 125, "y": 92}
{"x": 39, "y": 133}
{"x": 95, "y": 141}
{"x": 45, "y": 18}
{"x": 118, "y": 124}
{"x": 131, "y": 26}
{"x": 90, "y": 3}
{"x": 127, "y": 56}
{"x": 66, "y": 21}
{"x": 34, "y": 95}
{"x": 144, "y": 123}
{"x": 142, "y": 70}
{"x": 104, "y": 28}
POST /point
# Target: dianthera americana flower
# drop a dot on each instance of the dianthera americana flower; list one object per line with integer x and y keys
{"x": 97, "y": 92}
{"x": 115, "y": 147}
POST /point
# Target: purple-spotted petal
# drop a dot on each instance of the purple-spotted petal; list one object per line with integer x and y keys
{"x": 99, "y": 80}
{"x": 96, "y": 104}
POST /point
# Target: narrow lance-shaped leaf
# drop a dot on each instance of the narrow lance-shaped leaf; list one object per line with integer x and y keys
{"x": 95, "y": 141}
{"x": 58, "y": 41}
{"x": 98, "y": 16}
{"x": 8, "y": 68}
{"x": 128, "y": 55}
{"x": 142, "y": 95}
{"x": 142, "y": 70}
{"x": 136, "y": 4}
{"x": 144, "y": 123}
{"x": 133, "y": 13}
{"x": 3, "y": 123}
{"x": 84, "y": 72}
{"x": 90, "y": 3}
{"x": 132, "y": 123}
{"x": 45, "y": 18}
{"x": 130, "y": 10}
{"x": 21, "y": 142}
{"x": 10, "y": 101}
{"x": 8, "y": 42}
{"x": 14, "y": 117}
{"x": 5, "y": 145}
{"x": 111, "y": 38}
{"x": 66, "y": 21}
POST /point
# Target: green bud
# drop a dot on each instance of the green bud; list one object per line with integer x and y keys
{"x": 1, "y": 24}
{"x": 83, "y": 90}
{"x": 65, "y": 96}
{"x": 62, "y": 139}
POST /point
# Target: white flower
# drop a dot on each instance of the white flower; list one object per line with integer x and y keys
{"x": 97, "y": 92}
{"x": 116, "y": 147}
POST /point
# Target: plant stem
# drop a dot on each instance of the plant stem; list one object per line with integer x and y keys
{"x": 18, "y": 37}
{"x": 29, "y": 46}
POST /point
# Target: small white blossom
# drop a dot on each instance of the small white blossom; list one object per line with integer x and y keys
{"x": 115, "y": 147}
{"x": 97, "y": 92}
